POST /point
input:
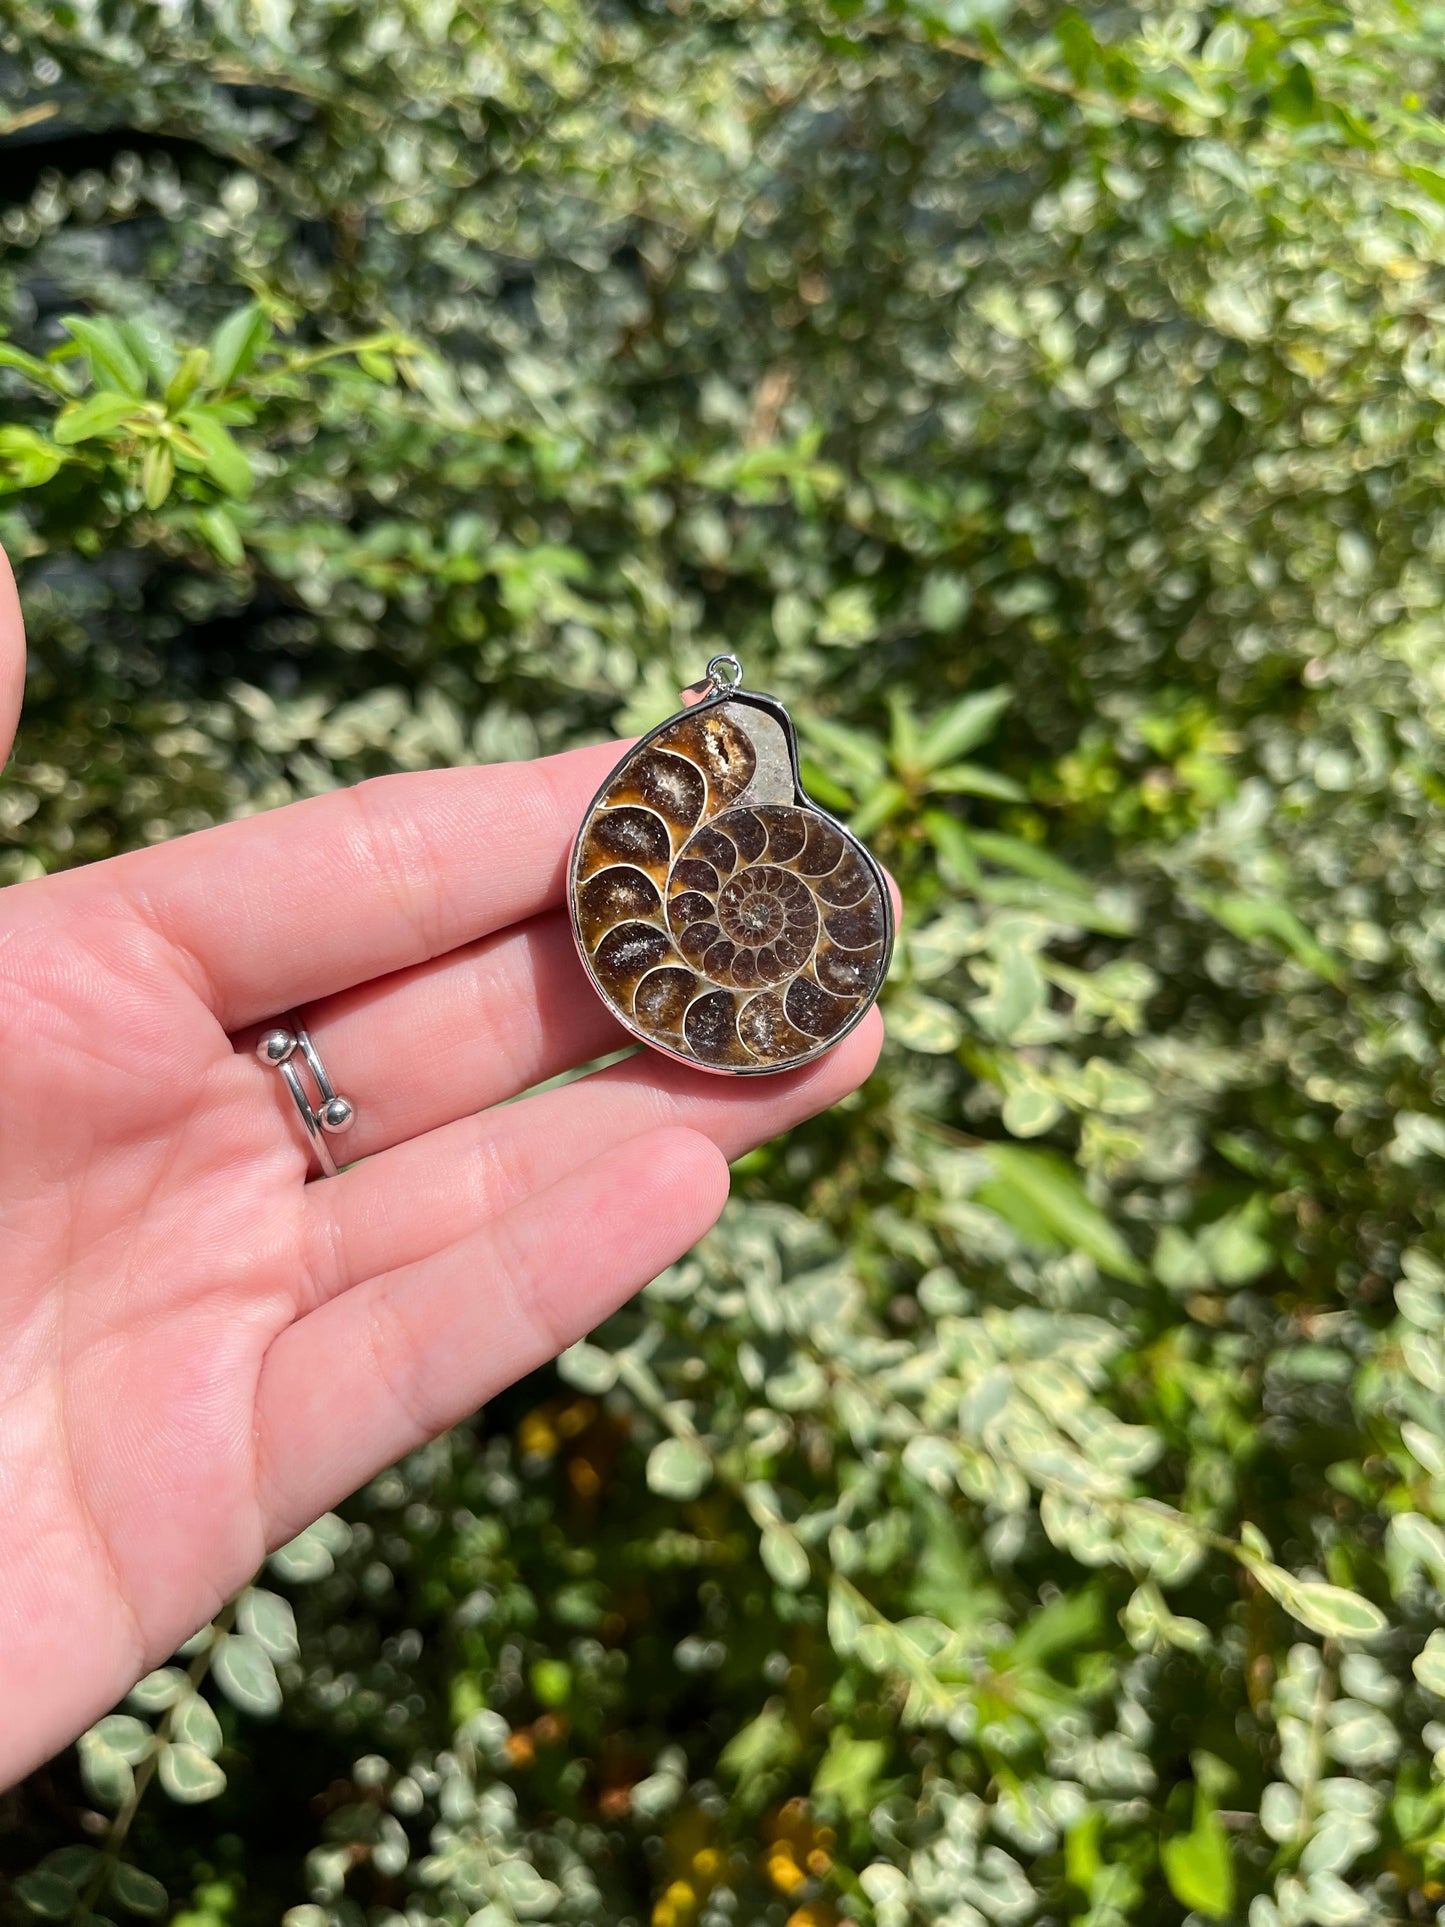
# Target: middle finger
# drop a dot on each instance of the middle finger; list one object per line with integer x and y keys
{"x": 443, "y": 1039}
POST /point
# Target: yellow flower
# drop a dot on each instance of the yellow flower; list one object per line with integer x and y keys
{"x": 676, "y": 1907}
{"x": 536, "y": 1436}
{"x": 707, "y": 1867}
{"x": 583, "y": 1477}
{"x": 783, "y": 1869}
{"x": 575, "y": 1417}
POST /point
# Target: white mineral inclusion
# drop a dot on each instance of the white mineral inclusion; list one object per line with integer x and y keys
{"x": 772, "y": 780}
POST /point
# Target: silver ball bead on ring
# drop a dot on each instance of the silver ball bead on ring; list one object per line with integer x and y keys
{"x": 336, "y": 1115}
{"x": 275, "y": 1046}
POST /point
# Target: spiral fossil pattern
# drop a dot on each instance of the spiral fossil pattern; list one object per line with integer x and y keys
{"x": 724, "y": 918}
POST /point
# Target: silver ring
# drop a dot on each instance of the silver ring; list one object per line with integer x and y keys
{"x": 329, "y": 1116}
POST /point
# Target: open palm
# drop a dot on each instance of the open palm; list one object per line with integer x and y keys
{"x": 200, "y": 1351}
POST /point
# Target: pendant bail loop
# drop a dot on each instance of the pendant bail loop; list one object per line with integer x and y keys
{"x": 724, "y": 672}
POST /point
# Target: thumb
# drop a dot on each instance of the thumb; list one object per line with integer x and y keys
{"x": 12, "y": 658}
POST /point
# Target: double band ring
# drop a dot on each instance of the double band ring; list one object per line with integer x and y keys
{"x": 328, "y": 1115}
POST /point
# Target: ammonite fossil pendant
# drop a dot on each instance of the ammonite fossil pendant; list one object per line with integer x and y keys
{"x": 726, "y": 920}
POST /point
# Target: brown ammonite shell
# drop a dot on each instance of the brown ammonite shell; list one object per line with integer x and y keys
{"x": 720, "y": 913}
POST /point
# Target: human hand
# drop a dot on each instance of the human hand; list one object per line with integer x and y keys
{"x": 199, "y": 1351}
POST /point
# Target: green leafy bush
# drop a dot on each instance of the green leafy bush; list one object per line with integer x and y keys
{"x": 1029, "y": 1505}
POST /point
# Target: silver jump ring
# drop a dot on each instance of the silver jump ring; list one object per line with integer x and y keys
{"x": 729, "y": 680}
{"x": 330, "y": 1115}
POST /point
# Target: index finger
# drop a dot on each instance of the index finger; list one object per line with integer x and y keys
{"x": 314, "y": 897}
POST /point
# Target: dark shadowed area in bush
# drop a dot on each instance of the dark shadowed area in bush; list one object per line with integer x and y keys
{"x": 1027, "y": 1506}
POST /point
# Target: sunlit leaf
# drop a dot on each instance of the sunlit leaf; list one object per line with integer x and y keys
{"x": 94, "y": 418}
{"x": 1042, "y": 1197}
{"x": 1199, "y": 1866}
{"x": 225, "y": 462}
{"x": 189, "y": 1775}
{"x": 112, "y": 361}
{"x": 678, "y": 1468}
{"x": 235, "y": 345}
{"x": 962, "y": 727}
{"x": 243, "y": 1670}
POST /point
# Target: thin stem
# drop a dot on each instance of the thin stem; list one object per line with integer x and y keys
{"x": 120, "y": 1826}
{"x": 30, "y": 117}
{"x": 1309, "y": 1791}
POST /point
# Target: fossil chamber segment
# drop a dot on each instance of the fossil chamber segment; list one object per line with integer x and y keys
{"x": 723, "y": 917}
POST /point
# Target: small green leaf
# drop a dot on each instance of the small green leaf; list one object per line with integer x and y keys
{"x": 945, "y": 600}
{"x": 1029, "y": 1110}
{"x": 1294, "y": 100}
{"x": 923, "y": 1024}
{"x": 526, "y": 1894}
{"x": 1077, "y": 45}
{"x": 1016, "y": 994}
{"x": 1430, "y": 178}
{"x": 40, "y": 372}
{"x": 767, "y": 1741}
{"x": 552, "y": 1681}
{"x": 195, "y": 1724}
{"x": 1013, "y": 853}
{"x": 963, "y": 726}
{"x": 588, "y": 1367}
{"x": 1428, "y": 1665}
{"x": 236, "y": 343}
{"x": 845, "y": 1622}
{"x": 151, "y": 348}
{"x": 854, "y": 752}
{"x": 106, "y": 1773}
{"x": 1333, "y": 1611}
{"x": 792, "y": 618}
{"x": 267, "y": 1617}
{"x": 1233, "y": 1248}
{"x": 226, "y": 463}
{"x": 822, "y": 788}
{"x": 157, "y": 472}
{"x": 1199, "y": 1867}
{"x": 1268, "y": 920}
{"x": 1044, "y": 1200}
{"x": 26, "y": 458}
{"x": 138, "y": 1892}
{"x": 972, "y": 779}
{"x": 94, "y": 418}
{"x": 194, "y": 366}
{"x": 46, "y": 1894}
{"x": 311, "y": 1555}
{"x": 219, "y": 528}
{"x": 73, "y": 1865}
{"x": 904, "y": 736}
{"x": 953, "y": 844}
{"x": 189, "y": 1776}
{"x": 158, "y": 1690}
{"x": 678, "y": 1469}
{"x": 880, "y": 803}
{"x": 784, "y": 1558}
{"x": 244, "y": 1673}
{"x": 124, "y": 1734}
{"x": 849, "y": 1770}
{"x": 111, "y": 359}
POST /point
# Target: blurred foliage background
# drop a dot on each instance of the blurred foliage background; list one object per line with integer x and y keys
{"x": 1028, "y": 1505}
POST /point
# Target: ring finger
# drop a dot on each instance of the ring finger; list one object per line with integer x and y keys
{"x": 422, "y": 1196}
